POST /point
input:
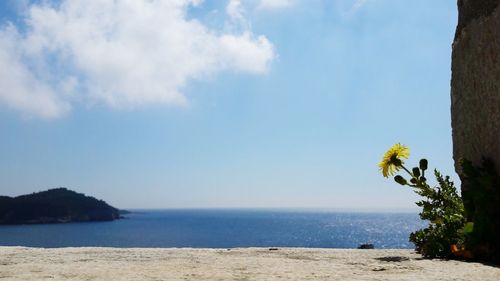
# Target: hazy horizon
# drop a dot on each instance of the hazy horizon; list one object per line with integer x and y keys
{"x": 223, "y": 104}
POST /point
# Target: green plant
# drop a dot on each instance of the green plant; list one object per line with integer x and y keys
{"x": 441, "y": 206}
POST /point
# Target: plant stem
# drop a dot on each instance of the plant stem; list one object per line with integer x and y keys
{"x": 407, "y": 171}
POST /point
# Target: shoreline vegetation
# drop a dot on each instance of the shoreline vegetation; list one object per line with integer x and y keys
{"x": 448, "y": 231}
{"x": 20, "y": 263}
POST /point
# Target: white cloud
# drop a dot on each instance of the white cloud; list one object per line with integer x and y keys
{"x": 235, "y": 10}
{"x": 118, "y": 53}
{"x": 20, "y": 88}
{"x": 274, "y": 4}
{"x": 237, "y": 18}
{"x": 243, "y": 50}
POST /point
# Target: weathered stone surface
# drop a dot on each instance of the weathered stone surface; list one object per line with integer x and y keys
{"x": 474, "y": 9}
{"x": 475, "y": 112}
{"x": 475, "y": 85}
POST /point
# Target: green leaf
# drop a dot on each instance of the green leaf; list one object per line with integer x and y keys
{"x": 468, "y": 227}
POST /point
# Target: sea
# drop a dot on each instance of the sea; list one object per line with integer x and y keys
{"x": 225, "y": 228}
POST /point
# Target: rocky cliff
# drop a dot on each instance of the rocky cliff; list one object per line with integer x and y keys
{"x": 475, "y": 111}
{"x": 475, "y": 85}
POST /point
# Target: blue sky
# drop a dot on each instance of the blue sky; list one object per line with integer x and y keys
{"x": 223, "y": 103}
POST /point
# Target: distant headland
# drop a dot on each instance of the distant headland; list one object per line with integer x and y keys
{"x": 58, "y": 205}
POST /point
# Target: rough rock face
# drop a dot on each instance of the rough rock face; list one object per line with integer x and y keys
{"x": 475, "y": 85}
{"x": 475, "y": 111}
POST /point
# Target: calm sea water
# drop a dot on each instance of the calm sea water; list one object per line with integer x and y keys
{"x": 224, "y": 229}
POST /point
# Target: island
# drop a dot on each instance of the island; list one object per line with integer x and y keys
{"x": 58, "y": 205}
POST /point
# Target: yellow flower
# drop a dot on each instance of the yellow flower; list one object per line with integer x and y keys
{"x": 392, "y": 160}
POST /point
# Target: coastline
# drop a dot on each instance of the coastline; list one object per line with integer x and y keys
{"x": 87, "y": 263}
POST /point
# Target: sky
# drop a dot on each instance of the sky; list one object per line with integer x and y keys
{"x": 223, "y": 104}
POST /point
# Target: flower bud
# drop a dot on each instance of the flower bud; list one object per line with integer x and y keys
{"x": 423, "y": 179}
{"x": 416, "y": 172}
{"x": 399, "y": 179}
{"x": 423, "y": 164}
{"x": 413, "y": 180}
